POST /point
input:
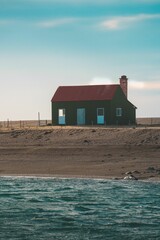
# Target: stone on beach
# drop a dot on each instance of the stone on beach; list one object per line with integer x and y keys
{"x": 130, "y": 177}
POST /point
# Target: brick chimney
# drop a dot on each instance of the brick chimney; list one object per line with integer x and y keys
{"x": 124, "y": 84}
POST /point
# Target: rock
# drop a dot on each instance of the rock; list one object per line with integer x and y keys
{"x": 136, "y": 172}
{"x": 151, "y": 169}
{"x": 158, "y": 171}
{"x": 115, "y": 178}
{"x": 86, "y": 141}
{"x": 127, "y": 173}
{"x": 109, "y": 155}
{"x": 47, "y": 132}
{"x": 93, "y": 130}
{"x": 130, "y": 177}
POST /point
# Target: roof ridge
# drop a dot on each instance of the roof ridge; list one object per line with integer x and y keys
{"x": 90, "y": 85}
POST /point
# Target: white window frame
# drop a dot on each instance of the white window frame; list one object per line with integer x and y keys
{"x": 118, "y": 112}
{"x": 101, "y": 109}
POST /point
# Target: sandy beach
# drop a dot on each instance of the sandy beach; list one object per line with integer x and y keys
{"x": 112, "y": 153}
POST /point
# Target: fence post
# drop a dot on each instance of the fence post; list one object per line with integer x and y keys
{"x": 7, "y": 123}
{"x": 39, "y": 119}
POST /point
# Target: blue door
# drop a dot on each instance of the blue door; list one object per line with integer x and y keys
{"x": 80, "y": 116}
{"x": 100, "y": 115}
{"x": 61, "y": 117}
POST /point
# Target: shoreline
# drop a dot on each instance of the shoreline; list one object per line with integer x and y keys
{"x": 63, "y": 177}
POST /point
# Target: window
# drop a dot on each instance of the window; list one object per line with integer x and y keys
{"x": 100, "y": 111}
{"x": 61, "y": 112}
{"x": 118, "y": 112}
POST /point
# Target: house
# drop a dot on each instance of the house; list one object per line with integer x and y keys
{"x": 93, "y": 105}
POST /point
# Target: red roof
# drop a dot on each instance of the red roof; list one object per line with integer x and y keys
{"x": 85, "y": 93}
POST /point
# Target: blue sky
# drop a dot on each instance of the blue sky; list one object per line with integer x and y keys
{"x": 47, "y": 43}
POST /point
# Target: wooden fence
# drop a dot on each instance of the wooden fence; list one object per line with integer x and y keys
{"x": 148, "y": 121}
{"x": 24, "y": 123}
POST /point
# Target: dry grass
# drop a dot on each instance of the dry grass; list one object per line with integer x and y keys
{"x": 24, "y": 124}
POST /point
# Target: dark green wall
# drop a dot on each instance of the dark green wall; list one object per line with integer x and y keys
{"x": 71, "y": 111}
{"x": 119, "y": 101}
{"x": 128, "y": 109}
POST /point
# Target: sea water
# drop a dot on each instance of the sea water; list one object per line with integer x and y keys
{"x": 75, "y": 209}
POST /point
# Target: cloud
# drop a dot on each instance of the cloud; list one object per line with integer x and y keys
{"x": 136, "y": 84}
{"x": 86, "y": 1}
{"x": 120, "y": 22}
{"x": 113, "y": 23}
{"x": 133, "y": 84}
{"x": 52, "y": 23}
{"x": 140, "y": 85}
{"x": 4, "y": 22}
{"x": 100, "y": 80}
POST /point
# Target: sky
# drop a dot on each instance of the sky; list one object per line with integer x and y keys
{"x": 49, "y": 43}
